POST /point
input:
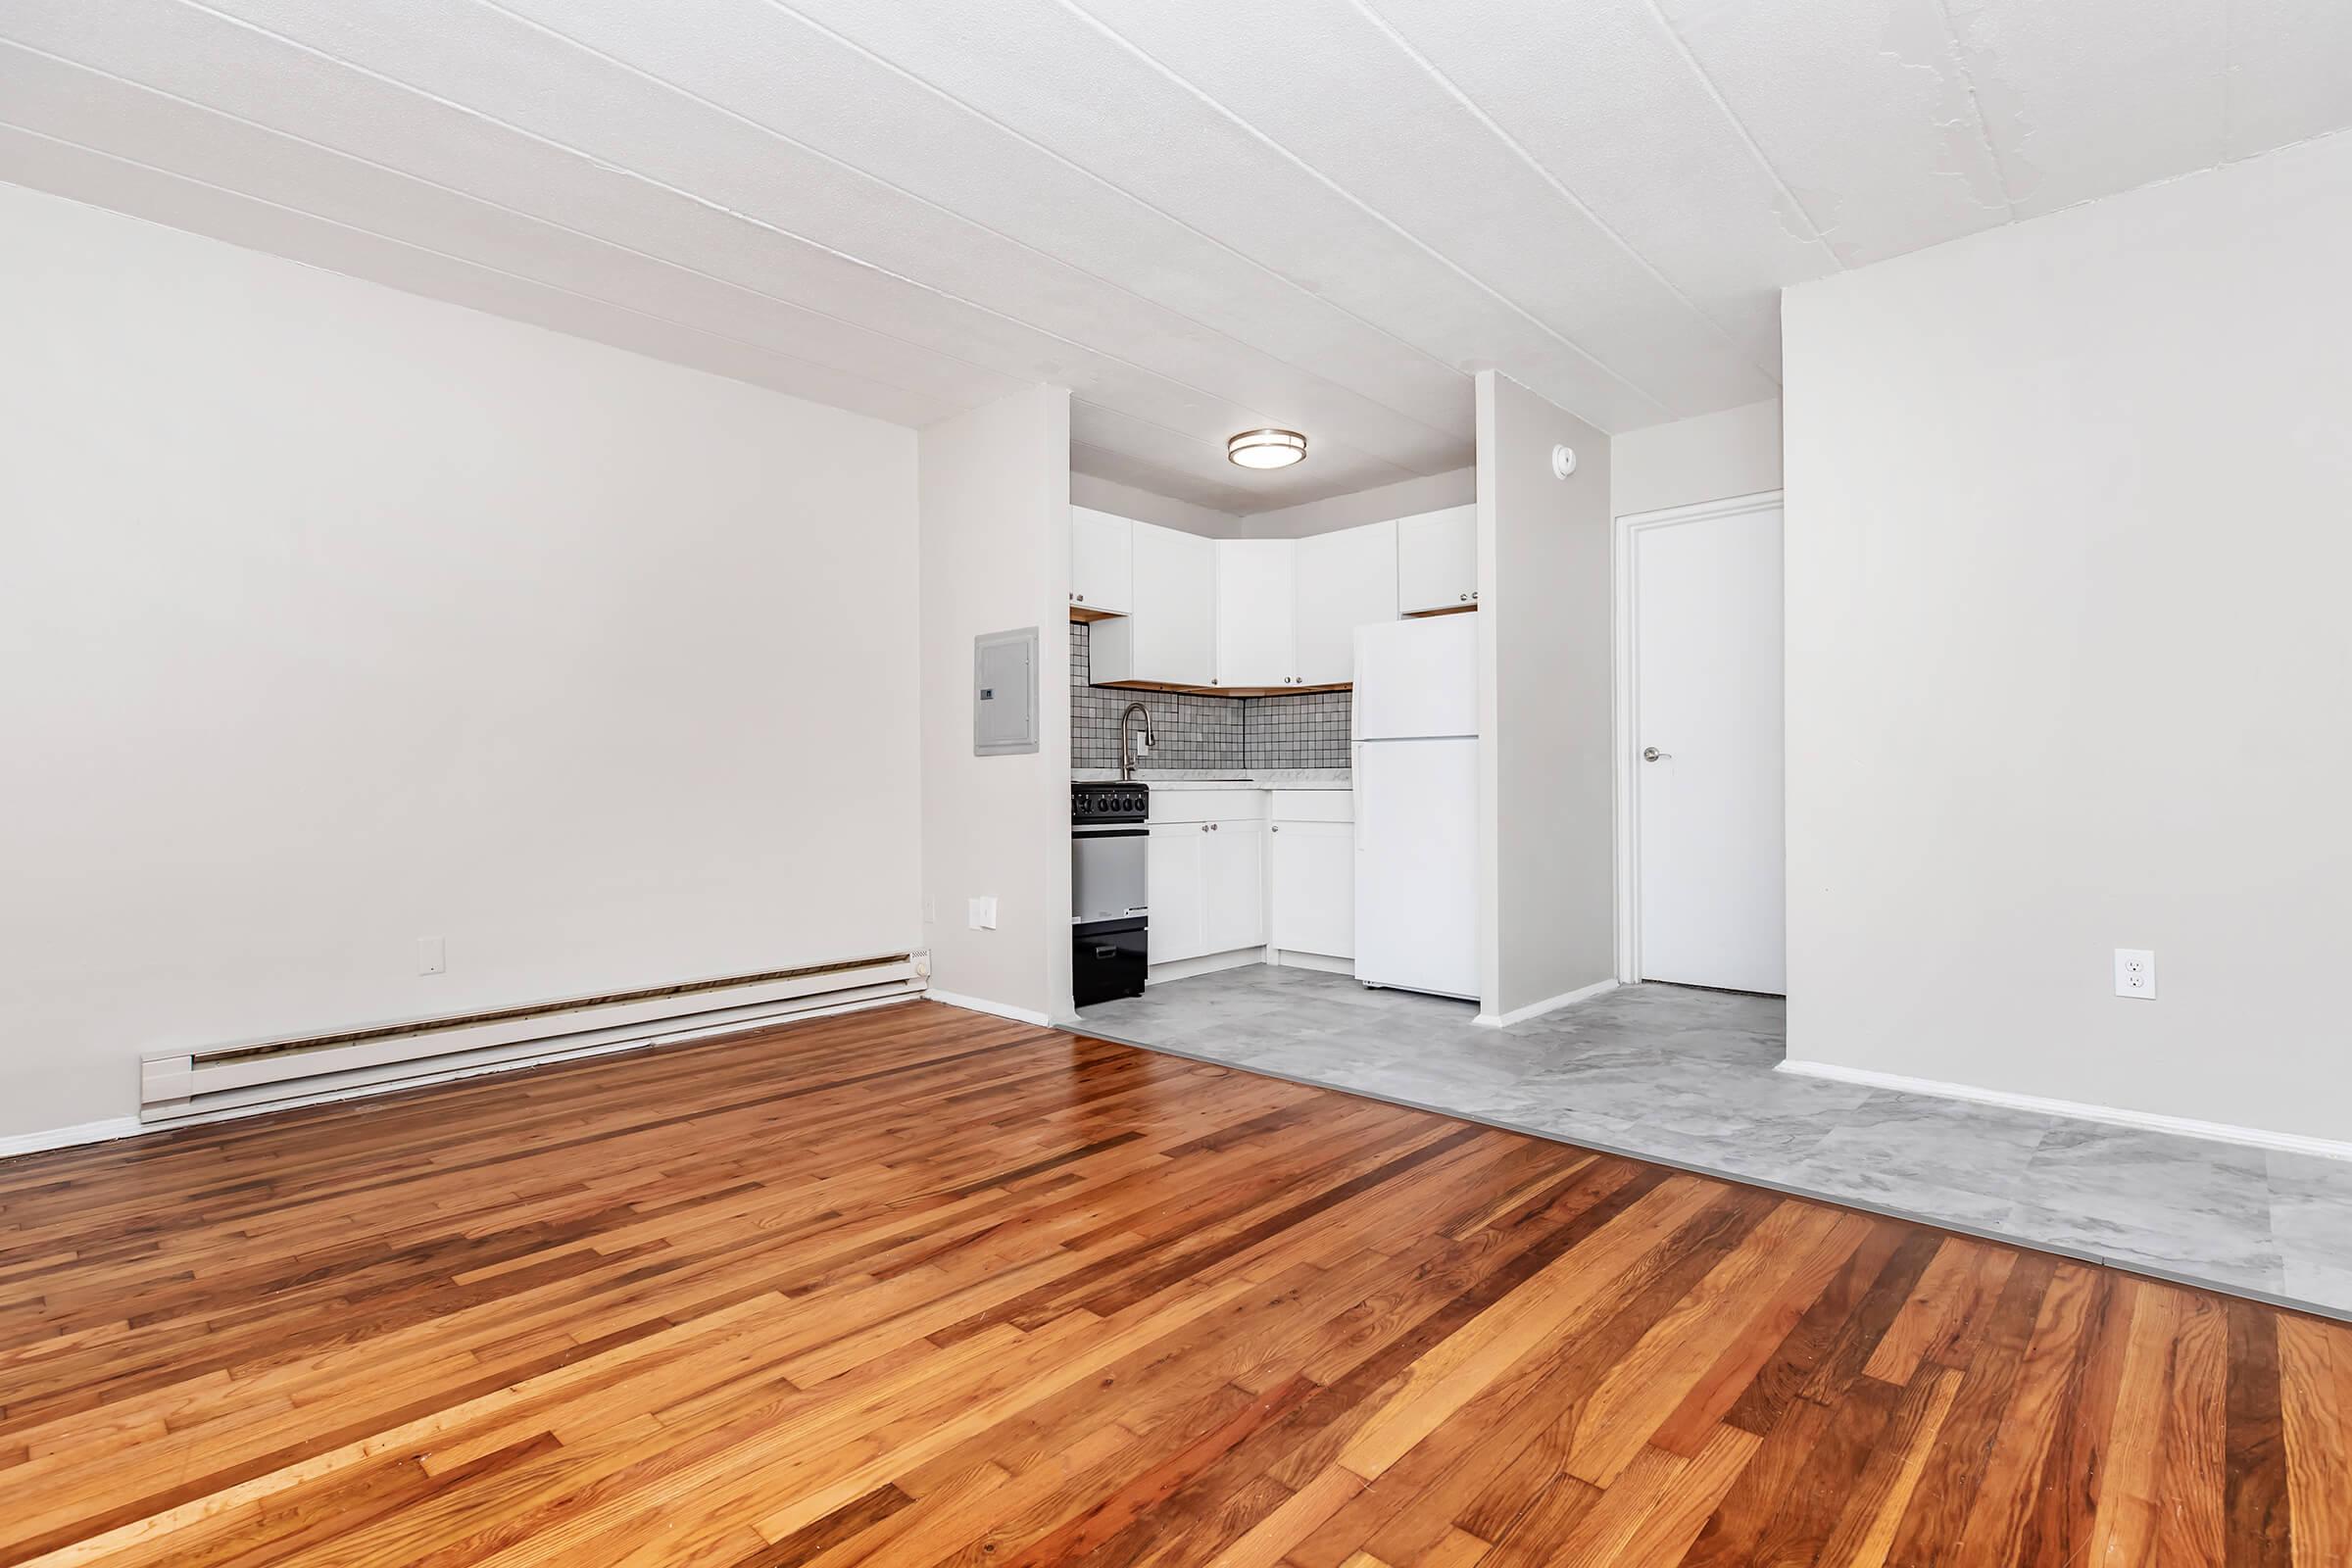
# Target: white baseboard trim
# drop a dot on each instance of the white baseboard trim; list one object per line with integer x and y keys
{"x": 1206, "y": 964}
{"x": 2079, "y": 1110}
{"x": 88, "y": 1131}
{"x": 1535, "y": 1009}
{"x": 95, "y": 1132}
{"x": 1293, "y": 958}
{"x": 956, "y": 999}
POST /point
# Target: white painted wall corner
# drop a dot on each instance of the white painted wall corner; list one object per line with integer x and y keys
{"x": 955, "y": 999}
{"x": 1535, "y": 1009}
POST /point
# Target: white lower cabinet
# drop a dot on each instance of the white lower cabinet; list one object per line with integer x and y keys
{"x": 1207, "y": 885}
{"x": 1172, "y": 860}
{"x": 1233, "y": 886}
{"x": 1311, "y": 878}
{"x": 1223, "y": 878}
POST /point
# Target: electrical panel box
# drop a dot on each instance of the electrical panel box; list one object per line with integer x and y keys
{"x": 1005, "y": 692}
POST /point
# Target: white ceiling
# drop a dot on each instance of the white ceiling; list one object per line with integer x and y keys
{"x": 1199, "y": 214}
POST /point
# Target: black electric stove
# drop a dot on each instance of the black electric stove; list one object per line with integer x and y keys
{"x": 1109, "y": 899}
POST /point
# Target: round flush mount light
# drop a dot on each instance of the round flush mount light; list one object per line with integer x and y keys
{"x": 1268, "y": 448}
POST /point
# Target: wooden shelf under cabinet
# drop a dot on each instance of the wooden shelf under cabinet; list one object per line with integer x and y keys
{"x": 1217, "y": 691}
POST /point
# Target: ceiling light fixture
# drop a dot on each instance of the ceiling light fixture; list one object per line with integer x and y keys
{"x": 1268, "y": 448}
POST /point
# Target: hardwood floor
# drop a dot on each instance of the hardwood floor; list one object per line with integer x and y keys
{"x": 918, "y": 1286}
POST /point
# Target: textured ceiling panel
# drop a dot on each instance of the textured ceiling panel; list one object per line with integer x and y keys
{"x": 1068, "y": 84}
{"x": 2158, "y": 110}
{"x": 1602, "y": 99}
{"x": 29, "y": 159}
{"x": 109, "y": 115}
{"x": 1199, "y": 214}
{"x": 780, "y": 70}
{"x": 1805, "y": 80}
{"x": 2290, "y": 73}
{"x": 1325, "y": 81}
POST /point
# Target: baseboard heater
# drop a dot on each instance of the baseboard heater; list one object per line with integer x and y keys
{"x": 327, "y": 1067}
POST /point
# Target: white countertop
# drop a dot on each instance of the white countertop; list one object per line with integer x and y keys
{"x": 1208, "y": 778}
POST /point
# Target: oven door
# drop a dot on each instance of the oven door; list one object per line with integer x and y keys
{"x": 1107, "y": 874}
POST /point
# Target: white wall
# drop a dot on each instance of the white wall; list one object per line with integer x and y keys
{"x": 1427, "y": 492}
{"x": 1546, "y": 854}
{"x": 1126, "y": 501}
{"x": 2070, "y": 669}
{"x": 334, "y": 617}
{"x": 1713, "y": 456}
{"x": 995, "y": 556}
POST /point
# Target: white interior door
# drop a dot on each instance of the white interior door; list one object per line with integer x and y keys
{"x": 1707, "y": 735}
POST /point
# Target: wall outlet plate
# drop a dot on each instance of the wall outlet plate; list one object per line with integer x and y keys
{"x": 2135, "y": 974}
{"x": 432, "y": 955}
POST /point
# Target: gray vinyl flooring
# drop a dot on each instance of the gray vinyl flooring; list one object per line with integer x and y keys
{"x": 1685, "y": 1077}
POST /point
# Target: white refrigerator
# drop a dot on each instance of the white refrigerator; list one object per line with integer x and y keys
{"x": 1416, "y": 804}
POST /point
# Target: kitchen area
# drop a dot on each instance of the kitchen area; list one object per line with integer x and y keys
{"x": 1274, "y": 761}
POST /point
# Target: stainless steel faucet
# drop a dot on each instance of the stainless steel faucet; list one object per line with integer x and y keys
{"x": 1127, "y": 759}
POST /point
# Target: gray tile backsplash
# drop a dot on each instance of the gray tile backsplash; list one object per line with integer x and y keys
{"x": 1308, "y": 730}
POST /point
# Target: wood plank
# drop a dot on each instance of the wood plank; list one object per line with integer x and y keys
{"x": 2314, "y": 1380}
{"x": 1865, "y": 1531}
{"x": 739, "y": 1302}
{"x": 2257, "y": 1511}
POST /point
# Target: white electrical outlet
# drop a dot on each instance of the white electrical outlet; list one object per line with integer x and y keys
{"x": 931, "y": 910}
{"x": 432, "y": 955}
{"x": 2135, "y": 974}
{"x": 983, "y": 915}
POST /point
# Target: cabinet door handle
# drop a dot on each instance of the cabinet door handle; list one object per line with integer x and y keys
{"x": 1462, "y": 598}
{"x": 1276, "y": 828}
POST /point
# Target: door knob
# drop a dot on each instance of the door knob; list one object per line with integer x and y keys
{"x": 1650, "y": 753}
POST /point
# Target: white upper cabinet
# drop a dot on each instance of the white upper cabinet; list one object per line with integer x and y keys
{"x": 1101, "y": 563}
{"x": 1168, "y": 636}
{"x": 1341, "y": 581}
{"x": 1174, "y": 608}
{"x": 1255, "y": 643}
{"x": 1437, "y": 561}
